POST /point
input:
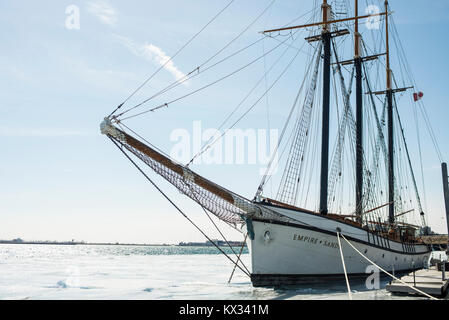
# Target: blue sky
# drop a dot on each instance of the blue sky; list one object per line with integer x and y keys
{"x": 61, "y": 179}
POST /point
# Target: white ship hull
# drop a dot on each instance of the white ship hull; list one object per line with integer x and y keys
{"x": 308, "y": 250}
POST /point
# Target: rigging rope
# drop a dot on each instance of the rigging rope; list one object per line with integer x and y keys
{"x": 420, "y": 157}
{"x": 210, "y": 141}
{"x": 252, "y": 106}
{"x": 196, "y": 72}
{"x": 265, "y": 177}
{"x": 408, "y": 69}
{"x": 380, "y": 143}
{"x": 238, "y": 259}
{"x": 288, "y": 188}
{"x": 177, "y": 208}
{"x": 172, "y": 57}
{"x": 215, "y": 225}
{"x": 199, "y": 70}
{"x": 204, "y": 87}
{"x": 347, "y": 116}
{"x": 418, "y": 199}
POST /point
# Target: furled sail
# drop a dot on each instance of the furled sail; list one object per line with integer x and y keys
{"x": 226, "y": 205}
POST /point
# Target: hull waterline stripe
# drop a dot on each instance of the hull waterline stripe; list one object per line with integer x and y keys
{"x": 335, "y": 234}
{"x": 325, "y": 217}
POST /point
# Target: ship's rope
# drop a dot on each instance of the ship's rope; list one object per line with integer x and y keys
{"x": 238, "y": 259}
{"x": 266, "y": 175}
{"x": 211, "y": 141}
{"x": 172, "y": 57}
{"x": 178, "y": 209}
{"x": 288, "y": 187}
{"x": 200, "y": 69}
{"x": 215, "y": 225}
{"x": 205, "y": 86}
{"x": 192, "y": 74}
{"x": 407, "y": 76}
{"x": 418, "y": 136}
{"x": 249, "y": 109}
{"x": 383, "y": 270}
{"x": 408, "y": 70}
{"x": 344, "y": 266}
{"x": 379, "y": 145}
{"x": 418, "y": 199}
{"x": 347, "y": 123}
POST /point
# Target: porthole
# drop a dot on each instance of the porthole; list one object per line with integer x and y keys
{"x": 267, "y": 236}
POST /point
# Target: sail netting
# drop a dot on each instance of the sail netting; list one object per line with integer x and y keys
{"x": 224, "y": 204}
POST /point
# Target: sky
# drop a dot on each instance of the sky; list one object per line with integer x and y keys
{"x": 62, "y": 180}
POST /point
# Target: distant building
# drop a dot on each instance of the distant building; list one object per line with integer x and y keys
{"x": 220, "y": 243}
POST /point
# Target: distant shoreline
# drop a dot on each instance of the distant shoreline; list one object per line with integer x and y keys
{"x": 86, "y": 244}
{"x": 73, "y": 243}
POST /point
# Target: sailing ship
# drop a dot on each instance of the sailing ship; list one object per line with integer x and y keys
{"x": 288, "y": 243}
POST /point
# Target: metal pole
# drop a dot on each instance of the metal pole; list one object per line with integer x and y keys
{"x": 446, "y": 192}
{"x": 443, "y": 268}
{"x": 387, "y": 43}
{"x": 359, "y": 120}
{"x": 390, "y": 156}
{"x": 326, "y": 36}
{"x": 390, "y": 125}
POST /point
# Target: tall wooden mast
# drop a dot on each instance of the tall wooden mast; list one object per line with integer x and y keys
{"x": 326, "y": 38}
{"x": 359, "y": 118}
{"x": 356, "y": 33}
{"x": 390, "y": 126}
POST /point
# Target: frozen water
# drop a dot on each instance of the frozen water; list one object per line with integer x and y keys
{"x": 138, "y": 272}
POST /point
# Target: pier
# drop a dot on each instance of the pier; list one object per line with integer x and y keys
{"x": 431, "y": 281}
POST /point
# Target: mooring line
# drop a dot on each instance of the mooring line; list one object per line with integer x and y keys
{"x": 344, "y": 266}
{"x": 366, "y": 258}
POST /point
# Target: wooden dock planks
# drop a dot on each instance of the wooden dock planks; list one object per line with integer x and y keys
{"x": 427, "y": 280}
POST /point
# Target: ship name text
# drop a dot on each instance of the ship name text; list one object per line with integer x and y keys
{"x": 312, "y": 240}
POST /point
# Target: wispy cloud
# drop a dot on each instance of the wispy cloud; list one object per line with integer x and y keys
{"x": 154, "y": 54}
{"x": 103, "y": 11}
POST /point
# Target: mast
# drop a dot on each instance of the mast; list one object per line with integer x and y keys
{"x": 390, "y": 126}
{"x": 326, "y": 38}
{"x": 359, "y": 118}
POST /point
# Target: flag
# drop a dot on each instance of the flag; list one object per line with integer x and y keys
{"x": 418, "y": 96}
